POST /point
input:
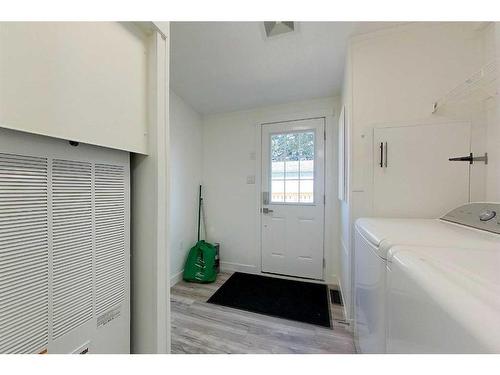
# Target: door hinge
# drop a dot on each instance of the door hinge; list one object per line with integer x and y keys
{"x": 324, "y": 199}
{"x": 324, "y": 135}
{"x": 324, "y": 263}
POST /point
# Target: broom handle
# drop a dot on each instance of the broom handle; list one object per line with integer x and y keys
{"x": 199, "y": 213}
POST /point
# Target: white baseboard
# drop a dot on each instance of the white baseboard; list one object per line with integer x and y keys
{"x": 248, "y": 268}
{"x": 348, "y": 319}
{"x": 175, "y": 278}
{"x": 238, "y": 267}
{"x": 333, "y": 279}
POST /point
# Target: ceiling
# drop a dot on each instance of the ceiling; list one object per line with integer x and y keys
{"x": 228, "y": 66}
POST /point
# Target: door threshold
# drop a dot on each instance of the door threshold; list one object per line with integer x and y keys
{"x": 290, "y": 277}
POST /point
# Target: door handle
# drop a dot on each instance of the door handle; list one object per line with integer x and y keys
{"x": 266, "y": 210}
{"x": 381, "y": 155}
{"x": 385, "y": 154}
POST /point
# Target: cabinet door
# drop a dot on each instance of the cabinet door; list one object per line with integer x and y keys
{"x": 412, "y": 174}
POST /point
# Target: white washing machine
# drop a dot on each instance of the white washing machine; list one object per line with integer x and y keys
{"x": 443, "y": 300}
{"x": 375, "y": 237}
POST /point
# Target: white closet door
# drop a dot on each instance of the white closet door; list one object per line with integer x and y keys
{"x": 64, "y": 246}
{"x": 412, "y": 174}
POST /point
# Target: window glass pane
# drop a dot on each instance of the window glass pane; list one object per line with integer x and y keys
{"x": 292, "y": 170}
{"x": 307, "y": 191}
{"x": 278, "y": 191}
{"x": 278, "y": 147}
{"x": 307, "y": 169}
{"x": 292, "y": 191}
{"x": 292, "y": 146}
{"x": 292, "y": 167}
{"x": 306, "y": 146}
{"x": 278, "y": 170}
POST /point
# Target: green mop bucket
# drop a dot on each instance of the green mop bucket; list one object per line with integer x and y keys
{"x": 200, "y": 264}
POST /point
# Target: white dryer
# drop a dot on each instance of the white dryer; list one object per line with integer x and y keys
{"x": 375, "y": 237}
{"x": 443, "y": 300}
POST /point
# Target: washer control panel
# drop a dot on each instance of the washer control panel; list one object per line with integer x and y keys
{"x": 483, "y": 216}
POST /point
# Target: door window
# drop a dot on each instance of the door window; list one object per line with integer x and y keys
{"x": 292, "y": 167}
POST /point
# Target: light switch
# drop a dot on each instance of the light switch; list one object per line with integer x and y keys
{"x": 251, "y": 179}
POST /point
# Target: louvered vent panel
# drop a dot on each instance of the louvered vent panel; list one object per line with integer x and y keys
{"x": 110, "y": 236}
{"x": 23, "y": 254}
{"x": 72, "y": 245}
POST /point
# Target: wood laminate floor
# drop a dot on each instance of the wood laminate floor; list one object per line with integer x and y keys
{"x": 200, "y": 327}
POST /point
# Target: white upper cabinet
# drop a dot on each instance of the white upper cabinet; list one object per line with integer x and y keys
{"x": 412, "y": 174}
{"x": 81, "y": 81}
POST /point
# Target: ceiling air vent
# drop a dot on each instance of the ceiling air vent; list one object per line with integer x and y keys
{"x": 274, "y": 28}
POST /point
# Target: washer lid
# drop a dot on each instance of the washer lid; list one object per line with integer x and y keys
{"x": 384, "y": 233}
{"x": 376, "y": 230}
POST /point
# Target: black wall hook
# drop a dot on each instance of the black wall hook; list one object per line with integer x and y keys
{"x": 471, "y": 158}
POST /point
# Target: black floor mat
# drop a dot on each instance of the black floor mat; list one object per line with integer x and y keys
{"x": 294, "y": 300}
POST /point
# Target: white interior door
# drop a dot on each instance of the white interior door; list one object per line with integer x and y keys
{"x": 412, "y": 174}
{"x": 293, "y": 163}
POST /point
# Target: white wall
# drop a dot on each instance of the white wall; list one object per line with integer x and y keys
{"x": 186, "y": 159}
{"x": 491, "y": 52}
{"x": 230, "y": 144}
{"x": 81, "y": 81}
{"x": 394, "y": 76}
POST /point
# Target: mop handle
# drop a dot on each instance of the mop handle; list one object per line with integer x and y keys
{"x": 199, "y": 213}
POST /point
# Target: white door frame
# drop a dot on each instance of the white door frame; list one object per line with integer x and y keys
{"x": 331, "y": 216}
{"x": 150, "y": 318}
